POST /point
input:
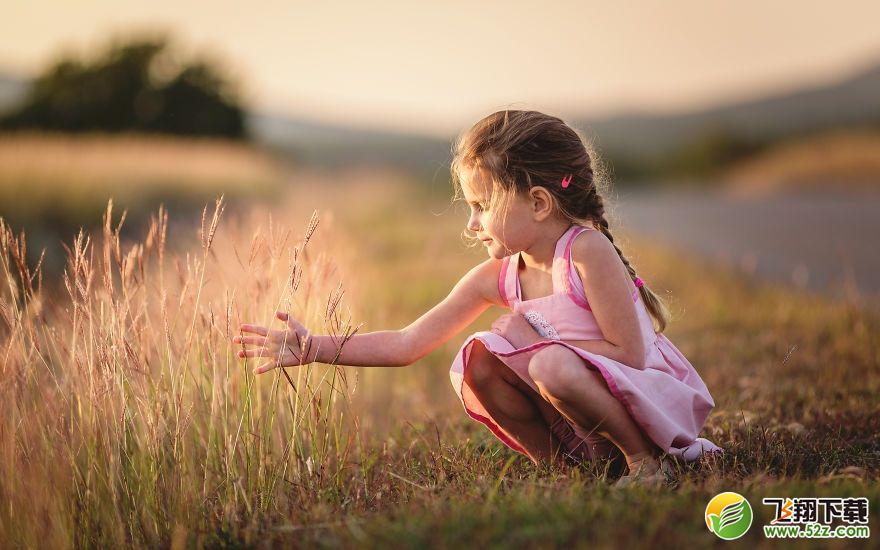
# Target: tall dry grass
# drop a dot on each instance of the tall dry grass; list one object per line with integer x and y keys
{"x": 124, "y": 412}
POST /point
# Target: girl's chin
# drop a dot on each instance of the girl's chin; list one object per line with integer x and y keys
{"x": 494, "y": 251}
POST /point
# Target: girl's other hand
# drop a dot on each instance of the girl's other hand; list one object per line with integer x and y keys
{"x": 514, "y": 328}
{"x": 284, "y": 347}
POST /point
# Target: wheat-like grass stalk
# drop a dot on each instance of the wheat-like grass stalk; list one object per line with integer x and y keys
{"x": 123, "y": 387}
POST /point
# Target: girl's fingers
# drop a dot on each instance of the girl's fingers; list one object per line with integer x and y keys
{"x": 292, "y": 323}
{"x": 265, "y": 367}
{"x": 253, "y": 340}
{"x": 295, "y": 325}
{"x": 255, "y": 329}
{"x": 257, "y": 352}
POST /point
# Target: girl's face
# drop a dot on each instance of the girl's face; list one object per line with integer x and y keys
{"x": 504, "y": 228}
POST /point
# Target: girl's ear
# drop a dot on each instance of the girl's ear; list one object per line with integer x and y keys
{"x": 541, "y": 203}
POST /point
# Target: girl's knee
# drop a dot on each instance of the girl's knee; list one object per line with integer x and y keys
{"x": 556, "y": 369}
{"x": 482, "y": 367}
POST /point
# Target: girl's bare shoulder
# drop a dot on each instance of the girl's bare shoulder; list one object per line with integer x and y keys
{"x": 591, "y": 247}
{"x": 594, "y": 257}
{"x": 483, "y": 279}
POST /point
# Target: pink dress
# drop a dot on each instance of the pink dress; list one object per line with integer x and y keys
{"x": 668, "y": 399}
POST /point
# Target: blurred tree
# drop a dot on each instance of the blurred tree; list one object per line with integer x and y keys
{"x": 134, "y": 86}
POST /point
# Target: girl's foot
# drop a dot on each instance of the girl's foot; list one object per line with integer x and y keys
{"x": 649, "y": 472}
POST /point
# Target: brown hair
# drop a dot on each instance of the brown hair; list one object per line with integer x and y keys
{"x": 523, "y": 149}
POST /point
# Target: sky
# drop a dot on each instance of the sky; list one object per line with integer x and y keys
{"x": 437, "y": 67}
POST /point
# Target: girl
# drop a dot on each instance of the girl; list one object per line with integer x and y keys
{"x": 577, "y": 370}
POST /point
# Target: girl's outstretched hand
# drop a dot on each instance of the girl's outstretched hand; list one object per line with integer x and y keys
{"x": 284, "y": 347}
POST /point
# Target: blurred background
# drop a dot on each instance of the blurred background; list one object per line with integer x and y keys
{"x": 748, "y": 133}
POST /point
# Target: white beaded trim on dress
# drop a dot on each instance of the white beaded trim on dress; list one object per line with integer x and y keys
{"x": 541, "y": 325}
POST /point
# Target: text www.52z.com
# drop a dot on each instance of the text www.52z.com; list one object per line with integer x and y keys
{"x": 817, "y": 530}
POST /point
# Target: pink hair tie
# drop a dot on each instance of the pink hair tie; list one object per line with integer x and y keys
{"x": 639, "y": 283}
{"x": 566, "y": 180}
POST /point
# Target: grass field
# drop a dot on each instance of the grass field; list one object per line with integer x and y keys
{"x": 126, "y": 419}
{"x": 834, "y": 161}
{"x": 52, "y": 184}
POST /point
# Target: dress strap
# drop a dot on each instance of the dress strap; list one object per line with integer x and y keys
{"x": 508, "y": 280}
{"x": 558, "y": 271}
{"x": 564, "y": 275}
{"x": 502, "y": 280}
{"x": 566, "y": 278}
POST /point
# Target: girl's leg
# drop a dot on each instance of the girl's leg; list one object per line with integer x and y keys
{"x": 515, "y": 407}
{"x": 581, "y": 395}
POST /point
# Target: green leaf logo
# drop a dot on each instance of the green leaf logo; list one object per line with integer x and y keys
{"x": 729, "y": 515}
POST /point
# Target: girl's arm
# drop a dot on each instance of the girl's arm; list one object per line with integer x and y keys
{"x": 472, "y": 295}
{"x": 609, "y": 291}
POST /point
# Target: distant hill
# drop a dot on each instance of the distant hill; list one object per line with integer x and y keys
{"x": 330, "y": 145}
{"x": 854, "y": 100}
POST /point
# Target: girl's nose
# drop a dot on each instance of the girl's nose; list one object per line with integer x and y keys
{"x": 474, "y": 224}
